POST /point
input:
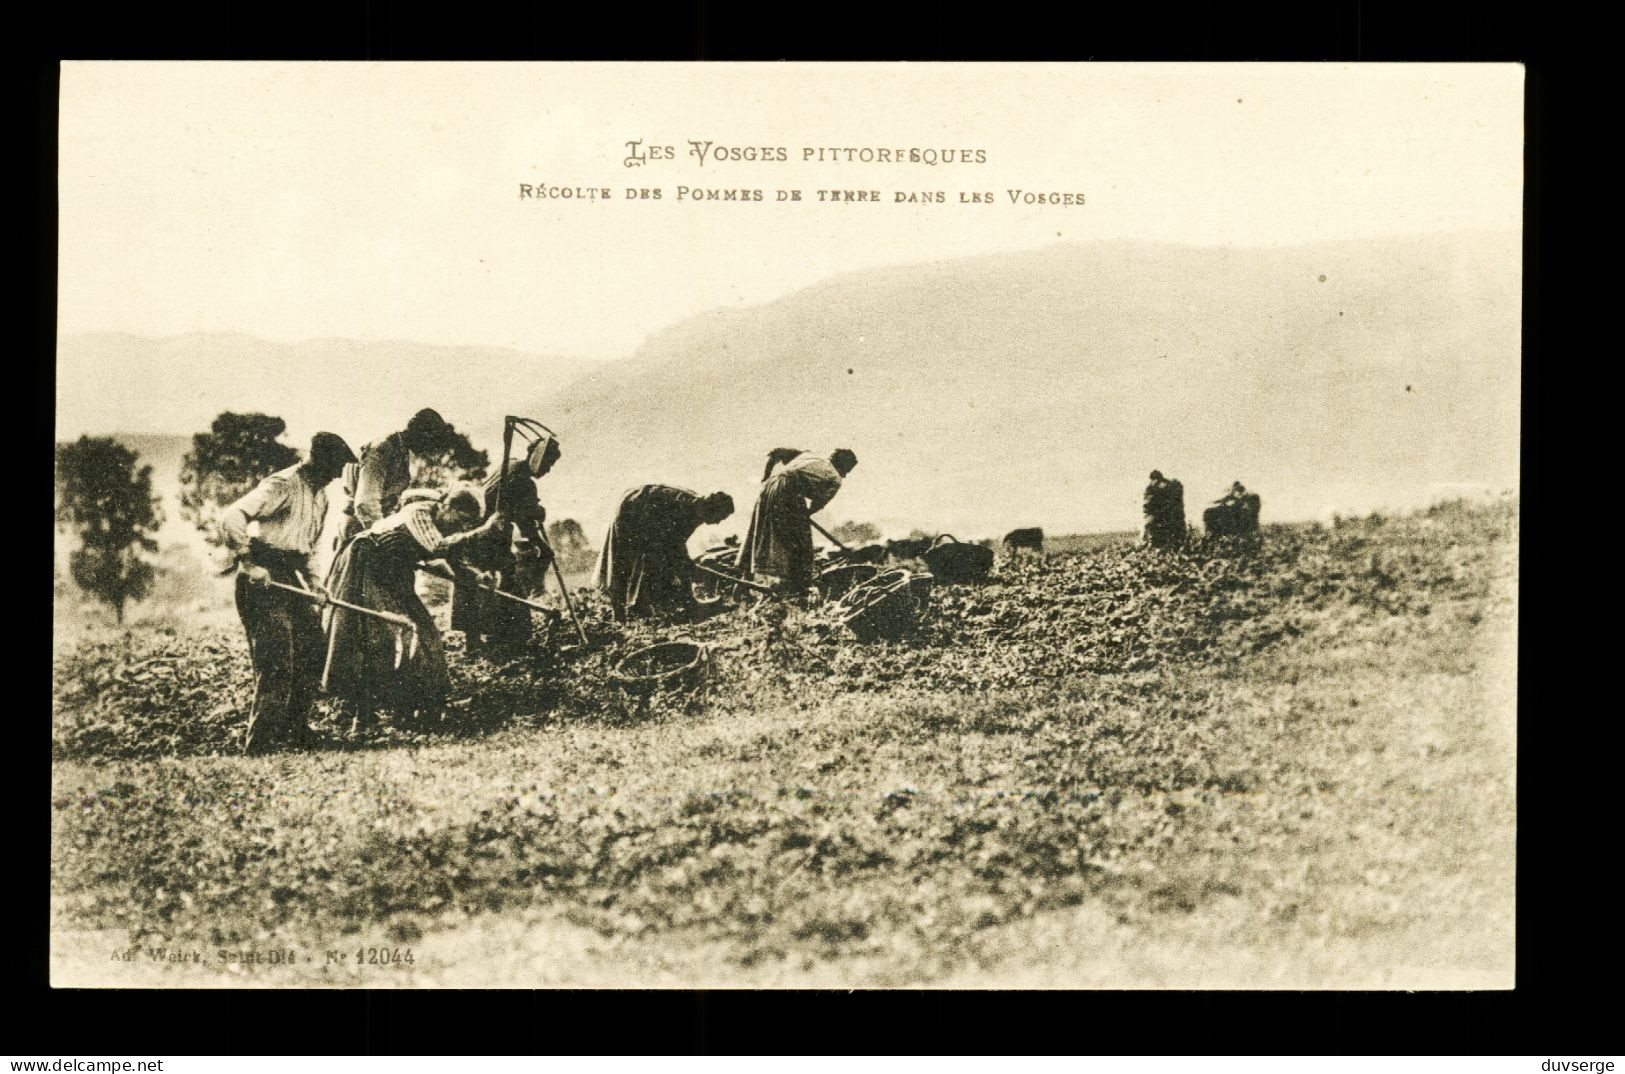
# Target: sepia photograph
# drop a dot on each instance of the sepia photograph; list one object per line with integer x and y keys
{"x": 786, "y": 525}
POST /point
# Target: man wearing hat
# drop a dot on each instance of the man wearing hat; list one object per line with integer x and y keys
{"x": 374, "y": 485}
{"x": 284, "y": 630}
{"x": 486, "y": 619}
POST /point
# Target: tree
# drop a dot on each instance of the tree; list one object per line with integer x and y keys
{"x": 570, "y": 544}
{"x": 458, "y": 463}
{"x": 856, "y": 533}
{"x": 107, "y": 502}
{"x": 227, "y": 461}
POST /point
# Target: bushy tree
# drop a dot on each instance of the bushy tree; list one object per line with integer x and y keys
{"x": 227, "y": 461}
{"x": 570, "y": 544}
{"x": 856, "y": 533}
{"x": 457, "y": 464}
{"x": 566, "y": 534}
{"x": 105, "y": 500}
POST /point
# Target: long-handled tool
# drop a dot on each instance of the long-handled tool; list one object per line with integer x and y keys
{"x": 395, "y": 619}
{"x": 537, "y": 436}
{"x": 504, "y": 594}
{"x": 759, "y": 587}
{"x": 535, "y": 433}
{"x": 564, "y": 591}
{"x": 845, "y": 551}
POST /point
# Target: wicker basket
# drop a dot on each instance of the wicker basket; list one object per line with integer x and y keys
{"x": 835, "y": 582}
{"x": 885, "y": 607}
{"x": 671, "y": 665}
{"x": 724, "y": 558}
{"x": 954, "y": 561}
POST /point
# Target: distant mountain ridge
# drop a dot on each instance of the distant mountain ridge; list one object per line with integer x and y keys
{"x": 115, "y": 382}
{"x": 1033, "y": 388}
{"x": 1039, "y": 388}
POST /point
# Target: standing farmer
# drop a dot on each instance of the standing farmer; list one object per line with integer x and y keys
{"x": 779, "y": 540}
{"x": 644, "y": 567}
{"x": 1164, "y": 512}
{"x": 484, "y": 618}
{"x": 374, "y": 485}
{"x": 284, "y": 630}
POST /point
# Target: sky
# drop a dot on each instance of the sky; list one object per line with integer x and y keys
{"x": 299, "y": 201}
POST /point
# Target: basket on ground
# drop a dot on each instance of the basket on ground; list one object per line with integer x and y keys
{"x": 835, "y": 582}
{"x": 887, "y": 606}
{"x": 953, "y": 560}
{"x": 724, "y": 558}
{"x": 670, "y": 665}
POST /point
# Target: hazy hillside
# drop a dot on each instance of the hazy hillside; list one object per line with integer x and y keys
{"x": 116, "y": 383}
{"x": 1025, "y": 389}
{"x": 1040, "y": 388}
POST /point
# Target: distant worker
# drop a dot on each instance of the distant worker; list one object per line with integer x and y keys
{"x": 645, "y": 568}
{"x": 1164, "y": 505}
{"x": 778, "y": 541}
{"x": 1235, "y": 514}
{"x": 366, "y": 665}
{"x": 374, "y": 485}
{"x": 485, "y": 618}
{"x": 284, "y": 630}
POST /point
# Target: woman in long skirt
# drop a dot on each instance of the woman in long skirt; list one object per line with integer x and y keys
{"x": 644, "y": 568}
{"x": 369, "y": 663}
{"x": 779, "y": 540}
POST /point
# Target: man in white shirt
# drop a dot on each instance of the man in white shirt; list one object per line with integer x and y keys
{"x": 284, "y": 630}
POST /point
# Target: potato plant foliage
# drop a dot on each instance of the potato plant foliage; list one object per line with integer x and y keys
{"x": 1139, "y": 733}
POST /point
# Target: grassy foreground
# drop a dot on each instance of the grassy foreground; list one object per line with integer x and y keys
{"x": 1284, "y": 768}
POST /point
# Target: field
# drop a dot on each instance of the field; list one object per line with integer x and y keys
{"x": 1288, "y": 766}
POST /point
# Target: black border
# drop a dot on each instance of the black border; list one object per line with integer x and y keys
{"x": 1554, "y": 933}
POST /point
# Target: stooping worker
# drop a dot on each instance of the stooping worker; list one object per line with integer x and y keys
{"x": 778, "y": 541}
{"x": 376, "y": 570}
{"x": 485, "y": 618}
{"x": 645, "y": 568}
{"x": 1164, "y": 505}
{"x": 1235, "y": 514}
{"x": 284, "y": 629}
{"x": 373, "y": 486}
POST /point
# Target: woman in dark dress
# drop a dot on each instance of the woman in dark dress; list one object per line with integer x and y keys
{"x": 644, "y": 567}
{"x": 377, "y": 570}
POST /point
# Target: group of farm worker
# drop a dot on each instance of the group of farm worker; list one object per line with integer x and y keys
{"x": 364, "y": 636}
{"x": 1235, "y": 514}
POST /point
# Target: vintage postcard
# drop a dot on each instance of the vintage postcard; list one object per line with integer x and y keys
{"x": 786, "y": 525}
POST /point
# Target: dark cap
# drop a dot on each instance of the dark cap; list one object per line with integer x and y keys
{"x": 1156, "y": 475}
{"x": 843, "y": 459}
{"x": 427, "y": 422}
{"x": 330, "y": 449}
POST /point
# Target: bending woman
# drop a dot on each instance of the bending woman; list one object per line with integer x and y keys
{"x": 779, "y": 540}
{"x": 376, "y": 570}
